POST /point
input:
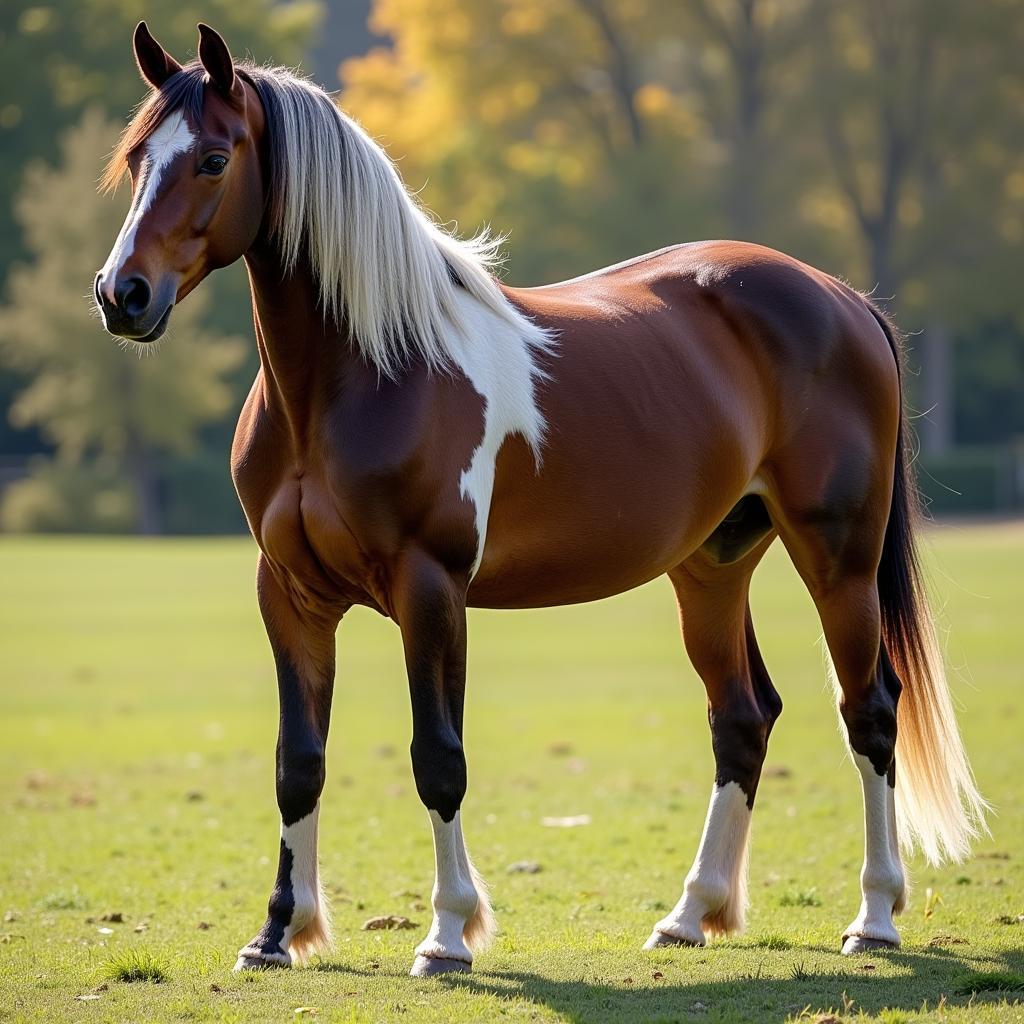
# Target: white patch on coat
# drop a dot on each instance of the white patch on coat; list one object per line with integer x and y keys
{"x": 170, "y": 138}
{"x": 881, "y": 880}
{"x": 715, "y": 890}
{"x": 455, "y": 896}
{"x": 498, "y": 356}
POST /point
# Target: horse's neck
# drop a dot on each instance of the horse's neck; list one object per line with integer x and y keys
{"x": 302, "y": 353}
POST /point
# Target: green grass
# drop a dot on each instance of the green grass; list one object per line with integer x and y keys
{"x": 131, "y": 965}
{"x": 136, "y": 779}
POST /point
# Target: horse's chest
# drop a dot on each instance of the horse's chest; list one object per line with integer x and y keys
{"x": 303, "y": 534}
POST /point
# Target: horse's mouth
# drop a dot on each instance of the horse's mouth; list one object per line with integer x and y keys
{"x": 154, "y": 334}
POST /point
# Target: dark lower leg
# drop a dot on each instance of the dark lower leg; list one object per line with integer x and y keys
{"x": 742, "y": 707}
{"x": 431, "y": 611}
{"x": 296, "y": 923}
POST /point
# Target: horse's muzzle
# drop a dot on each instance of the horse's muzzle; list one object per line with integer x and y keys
{"x": 129, "y": 309}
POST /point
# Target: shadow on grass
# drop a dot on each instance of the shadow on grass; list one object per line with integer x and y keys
{"x": 926, "y": 975}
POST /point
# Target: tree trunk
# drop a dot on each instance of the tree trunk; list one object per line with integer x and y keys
{"x": 149, "y": 508}
{"x": 935, "y": 427}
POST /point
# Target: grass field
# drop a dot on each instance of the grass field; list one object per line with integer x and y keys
{"x": 136, "y": 779}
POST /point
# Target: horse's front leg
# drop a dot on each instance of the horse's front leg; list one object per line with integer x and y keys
{"x": 430, "y": 605}
{"x": 303, "y": 644}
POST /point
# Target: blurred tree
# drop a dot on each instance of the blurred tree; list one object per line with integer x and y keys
{"x": 92, "y": 400}
{"x": 919, "y": 106}
{"x": 922, "y": 120}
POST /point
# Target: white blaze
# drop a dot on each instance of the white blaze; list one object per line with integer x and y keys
{"x": 171, "y": 137}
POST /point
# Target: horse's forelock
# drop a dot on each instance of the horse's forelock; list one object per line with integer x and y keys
{"x": 182, "y": 91}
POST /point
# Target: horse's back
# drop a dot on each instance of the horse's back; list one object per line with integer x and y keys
{"x": 675, "y": 376}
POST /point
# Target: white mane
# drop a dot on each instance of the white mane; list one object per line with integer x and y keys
{"x": 384, "y": 266}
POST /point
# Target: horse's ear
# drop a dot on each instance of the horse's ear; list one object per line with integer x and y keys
{"x": 156, "y": 65}
{"x": 215, "y": 56}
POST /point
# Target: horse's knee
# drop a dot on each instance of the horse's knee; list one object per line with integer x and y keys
{"x": 439, "y": 767}
{"x": 739, "y": 737}
{"x": 870, "y": 719}
{"x": 300, "y": 780}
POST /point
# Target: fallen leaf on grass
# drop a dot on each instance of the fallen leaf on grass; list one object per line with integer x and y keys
{"x": 142, "y": 926}
{"x": 657, "y": 975}
{"x": 868, "y": 967}
{"x": 115, "y": 917}
{"x": 570, "y": 821}
{"x": 87, "y": 998}
{"x": 204, "y": 926}
{"x": 932, "y": 900}
{"x": 560, "y": 748}
{"x": 524, "y": 867}
{"x": 306, "y": 1011}
{"x": 216, "y": 988}
{"x": 388, "y": 922}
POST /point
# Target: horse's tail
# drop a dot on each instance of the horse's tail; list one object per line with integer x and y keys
{"x": 938, "y": 805}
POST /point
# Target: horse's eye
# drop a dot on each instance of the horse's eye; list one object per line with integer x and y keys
{"x": 214, "y": 164}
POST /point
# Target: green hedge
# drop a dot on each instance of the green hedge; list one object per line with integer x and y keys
{"x": 969, "y": 481}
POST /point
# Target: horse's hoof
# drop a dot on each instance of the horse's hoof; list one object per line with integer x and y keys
{"x": 854, "y": 944}
{"x": 659, "y": 939}
{"x": 428, "y": 966}
{"x": 250, "y": 962}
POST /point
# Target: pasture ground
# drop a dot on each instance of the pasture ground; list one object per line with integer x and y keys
{"x": 136, "y": 779}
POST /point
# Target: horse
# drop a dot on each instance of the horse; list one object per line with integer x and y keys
{"x": 422, "y": 438}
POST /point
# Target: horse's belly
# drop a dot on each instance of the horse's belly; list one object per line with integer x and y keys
{"x": 574, "y": 534}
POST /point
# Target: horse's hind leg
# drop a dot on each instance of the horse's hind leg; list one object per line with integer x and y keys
{"x": 836, "y": 547}
{"x": 742, "y": 707}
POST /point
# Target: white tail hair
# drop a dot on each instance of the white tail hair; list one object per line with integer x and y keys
{"x": 938, "y": 806}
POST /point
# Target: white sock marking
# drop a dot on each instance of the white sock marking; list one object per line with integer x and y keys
{"x": 454, "y": 896}
{"x": 300, "y": 838}
{"x": 171, "y": 137}
{"x": 882, "y": 882}
{"x": 716, "y": 885}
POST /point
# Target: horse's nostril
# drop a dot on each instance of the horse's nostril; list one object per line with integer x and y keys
{"x": 133, "y": 296}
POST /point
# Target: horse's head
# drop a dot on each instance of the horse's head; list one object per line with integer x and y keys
{"x": 194, "y": 155}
